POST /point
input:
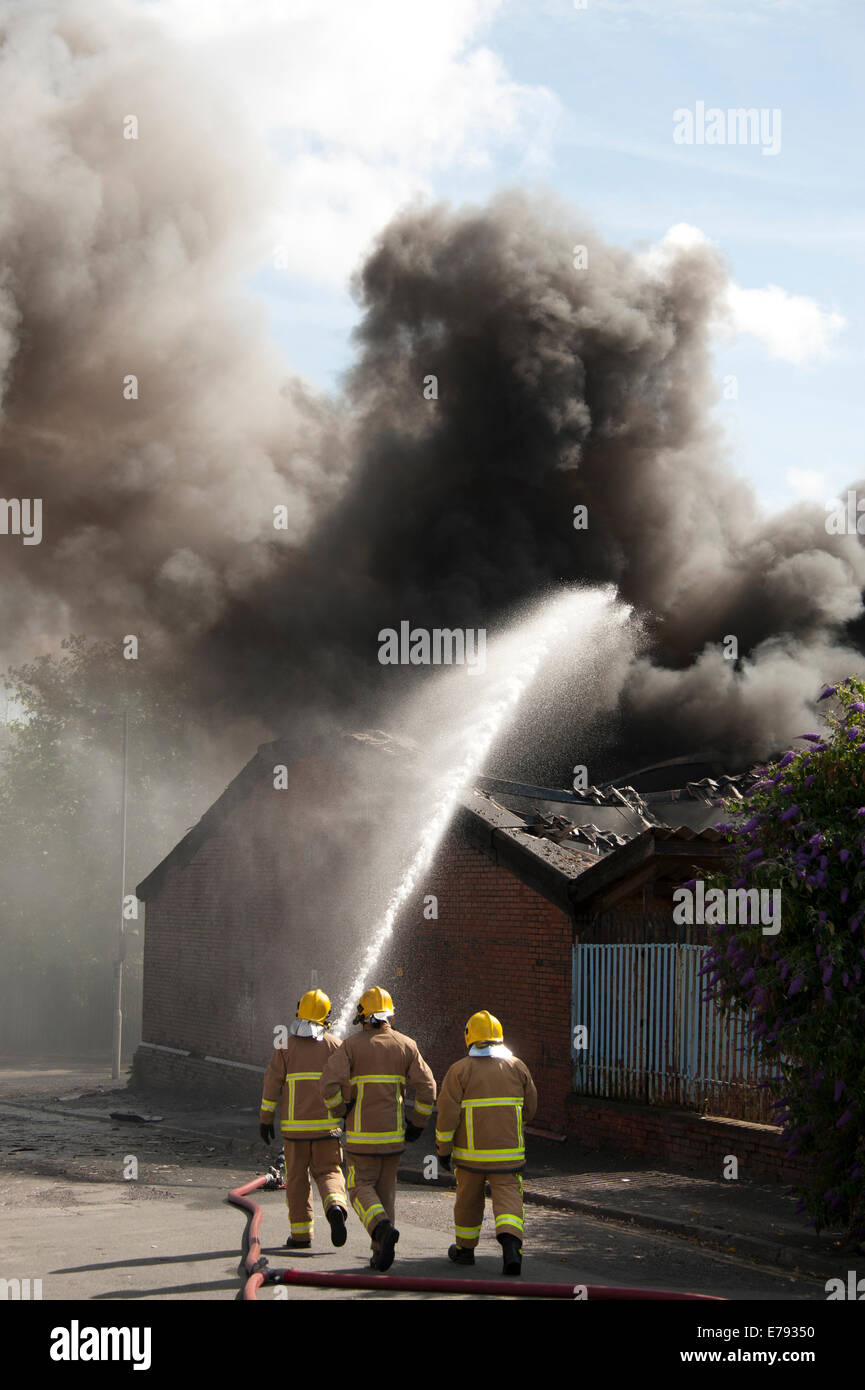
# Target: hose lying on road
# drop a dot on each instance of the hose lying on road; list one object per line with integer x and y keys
{"x": 258, "y": 1271}
{"x": 514, "y": 1288}
{"x": 254, "y": 1262}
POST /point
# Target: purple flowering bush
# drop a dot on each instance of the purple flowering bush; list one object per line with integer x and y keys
{"x": 802, "y": 829}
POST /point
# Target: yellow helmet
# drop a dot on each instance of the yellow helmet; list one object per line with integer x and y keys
{"x": 314, "y": 1006}
{"x": 374, "y": 1003}
{"x": 482, "y": 1028}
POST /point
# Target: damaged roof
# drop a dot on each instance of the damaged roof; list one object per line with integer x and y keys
{"x": 604, "y": 818}
{"x": 565, "y": 856}
{"x": 548, "y": 837}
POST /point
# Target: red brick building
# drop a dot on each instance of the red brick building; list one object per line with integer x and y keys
{"x": 534, "y": 900}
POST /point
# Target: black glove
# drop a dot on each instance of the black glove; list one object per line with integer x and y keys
{"x": 445, "y": 1161}
{"x": 412, "y": 1133}
{"x": 266, "y": 1132}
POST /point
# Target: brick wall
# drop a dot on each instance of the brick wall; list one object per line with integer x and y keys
{"x": 227, "y": 934}
{"x": 680, "y": 1137}
{"x": 496, "y": 945}
{"x": 230, "y": 939}
{"x": 155, "y": 1071}
{"x": 207, "y": 934}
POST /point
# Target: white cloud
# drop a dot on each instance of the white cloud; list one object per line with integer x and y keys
{"x": 365, "y": 103}
{"x": 792, "y": 326}
{"x": 682, "y": 237}
{"x": 807, "y": 484}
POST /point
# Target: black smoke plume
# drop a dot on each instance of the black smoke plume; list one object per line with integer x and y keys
{"x": 557, "y": 387}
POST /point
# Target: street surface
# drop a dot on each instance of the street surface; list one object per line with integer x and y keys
{"x": 69, "y": 1217}
{"x": 172, "y": 1235}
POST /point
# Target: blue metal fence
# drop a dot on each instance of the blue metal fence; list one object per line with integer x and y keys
{"x": 650, "y": 1036}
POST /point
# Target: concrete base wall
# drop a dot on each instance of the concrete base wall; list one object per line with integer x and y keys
{"x": 656, "y": 1132}
{"x": 155, "y": 1070}
{"x": 680, "y": 1137}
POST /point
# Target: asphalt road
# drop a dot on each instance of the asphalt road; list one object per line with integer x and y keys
{"x": 67, "y": 1217}
{"x": 176, "y": 1238}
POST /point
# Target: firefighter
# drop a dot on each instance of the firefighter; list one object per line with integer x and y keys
{"x": 310, "y": 1135}
{"x": 485, "y": 1099}
{"x": 365, "y": 1081}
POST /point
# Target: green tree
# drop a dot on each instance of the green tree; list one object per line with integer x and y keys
{"x": 801, "y": 831}
{"x": 60, "y": 787}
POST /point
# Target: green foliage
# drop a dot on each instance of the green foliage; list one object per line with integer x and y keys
{"x": 801, "y": 830}
{"x": 60, "y": 791}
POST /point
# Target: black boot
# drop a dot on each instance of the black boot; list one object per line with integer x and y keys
{"x": 384, "y": 1238}
{"x": 512, "y": 1254}
{"x": 460, "y": 1255}
{"x": 298, "y": 1243}
{"x": 336, "y": 1218}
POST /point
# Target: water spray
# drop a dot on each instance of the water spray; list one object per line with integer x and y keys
{"x": 515, "y": 660}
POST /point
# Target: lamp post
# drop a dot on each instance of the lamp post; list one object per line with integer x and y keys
{"x": 121, "y": 938}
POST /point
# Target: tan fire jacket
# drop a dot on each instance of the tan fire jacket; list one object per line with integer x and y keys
{"x": 366, "y": 1080}
{"x": 482, "y": 1106}
{"x": 293, "y": 1074}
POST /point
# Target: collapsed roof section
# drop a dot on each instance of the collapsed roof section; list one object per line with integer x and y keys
{"x": 604, "y": 818}
{"x": 587, "y": 850}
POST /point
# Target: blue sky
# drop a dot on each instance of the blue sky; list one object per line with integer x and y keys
{"x": 794, "y": 220}
{"x": 366, "y": 106}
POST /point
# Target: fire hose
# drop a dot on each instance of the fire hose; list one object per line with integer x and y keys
{"x": 258, "y": 1271}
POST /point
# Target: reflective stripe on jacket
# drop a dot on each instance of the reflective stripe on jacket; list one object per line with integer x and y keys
{"x": 367, "y": 1078}
{"x": 292, "y": 1082}
{"x": 482, "y": 1106}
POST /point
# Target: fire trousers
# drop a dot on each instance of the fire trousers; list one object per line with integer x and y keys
{"x": 320, "y": 1158}
{"x": 507, "y": 1190}
{"x": 372, "y": 1186}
